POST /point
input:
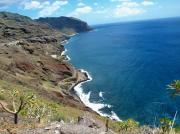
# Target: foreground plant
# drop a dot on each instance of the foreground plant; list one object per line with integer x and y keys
{"x": 175, "y": 85}
{"x": 128, "y": 125}
{"x": 19, "y": 101}
{"x": 38, "y": 110}
{"x": 166, "y": 124}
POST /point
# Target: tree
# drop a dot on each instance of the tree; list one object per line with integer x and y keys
{"x": 38, "y": 110}
{"x": 175, "y": 85}
{"x": 19, "y": 101}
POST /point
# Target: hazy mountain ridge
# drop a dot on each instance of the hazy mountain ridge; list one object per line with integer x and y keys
{"x": 68, "y": 25}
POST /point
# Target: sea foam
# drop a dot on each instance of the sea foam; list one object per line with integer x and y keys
{"x": 64, "y": 54}
{"x": 93, "y": 105}
{"x": 101, "y": 94}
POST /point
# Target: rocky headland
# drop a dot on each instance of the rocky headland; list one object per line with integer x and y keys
{"x": 68, "y": 25}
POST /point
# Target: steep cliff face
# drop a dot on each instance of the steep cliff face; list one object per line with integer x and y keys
{"x": 68, "y": 25}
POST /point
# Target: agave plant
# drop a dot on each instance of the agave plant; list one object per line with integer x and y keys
{"x": 175, "y": 85}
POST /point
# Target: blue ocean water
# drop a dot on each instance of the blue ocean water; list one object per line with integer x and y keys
{"x": 131, "y": 64}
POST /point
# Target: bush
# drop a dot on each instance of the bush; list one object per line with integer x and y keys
{"x": 125, "y": 126}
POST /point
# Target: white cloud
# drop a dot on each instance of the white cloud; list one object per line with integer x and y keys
{"x": 31, "y": 4}
{"x": 51, "y": 8}
{"x": 147, "y": 3}
{"x": 127, "y": 9}
{"x": 81, "y": 11}
{"x": 46, "y": 8}
{"x": 129, "y": 4}
{"x": 80, "y": 4}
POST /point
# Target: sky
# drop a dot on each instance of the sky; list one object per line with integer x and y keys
{"x": 95, "y": 11}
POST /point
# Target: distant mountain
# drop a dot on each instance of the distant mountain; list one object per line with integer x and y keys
{"x": 15, "y": 27}
{"x": 68, "y": 25}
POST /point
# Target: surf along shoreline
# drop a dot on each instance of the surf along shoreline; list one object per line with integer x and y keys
{"x": 76, "y": 89}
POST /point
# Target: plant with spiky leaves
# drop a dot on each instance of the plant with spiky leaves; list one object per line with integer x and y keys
{"x": 19, "y": 101}
{"x": 175, "y": 85}
{"x": 166, "y": 124}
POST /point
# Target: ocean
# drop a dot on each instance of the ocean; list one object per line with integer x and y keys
{"x": 131, "y": 64}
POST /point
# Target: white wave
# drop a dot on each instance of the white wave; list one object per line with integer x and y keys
{"x": 64, "y": 42}
{"x": 73, "y": 34}
{"x": 68, "y": 58}
{"x": 114, "y": 116}
{"x": 101, "y": 94}
{"x": 89, "y": 76}
{"x": 94, "y": 106}
{"x": 64, "y": 52}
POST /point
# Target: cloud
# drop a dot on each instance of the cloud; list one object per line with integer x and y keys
{"x": 80, "y": 4}
{"x": 45, "y": 7}
{"x": 6, "y": 3}
{"x": 49, "y": 9}
{"x": 129, "y": 4}
{"x": 127, "y": 9}
{"x": 81, "y": 11}
{"x": 31, "y": 4}
{"x": 147, "y": 3}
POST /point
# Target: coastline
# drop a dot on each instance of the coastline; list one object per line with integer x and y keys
{"x": 76, "y": 90}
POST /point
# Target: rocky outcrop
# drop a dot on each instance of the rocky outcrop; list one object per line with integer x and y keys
{"x": 87, "y": 125}
{"x": 68, "y": 25}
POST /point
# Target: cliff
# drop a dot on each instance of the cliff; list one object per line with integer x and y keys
{"x": 68, "y": 25}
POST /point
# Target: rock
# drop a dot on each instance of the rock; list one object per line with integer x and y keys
{"x": 8, "y": 33}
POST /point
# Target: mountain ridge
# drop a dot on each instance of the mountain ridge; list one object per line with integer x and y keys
{"x": 68, "y": 25}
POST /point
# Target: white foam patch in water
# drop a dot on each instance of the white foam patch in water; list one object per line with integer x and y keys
{"x": 64, "y": 54}
{"x": 94, "y": 106}
{"x": 101, "y": 94}
{"x": 68, "y": 58}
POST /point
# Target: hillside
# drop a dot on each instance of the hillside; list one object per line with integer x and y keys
{"x": 68, "y": 25}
